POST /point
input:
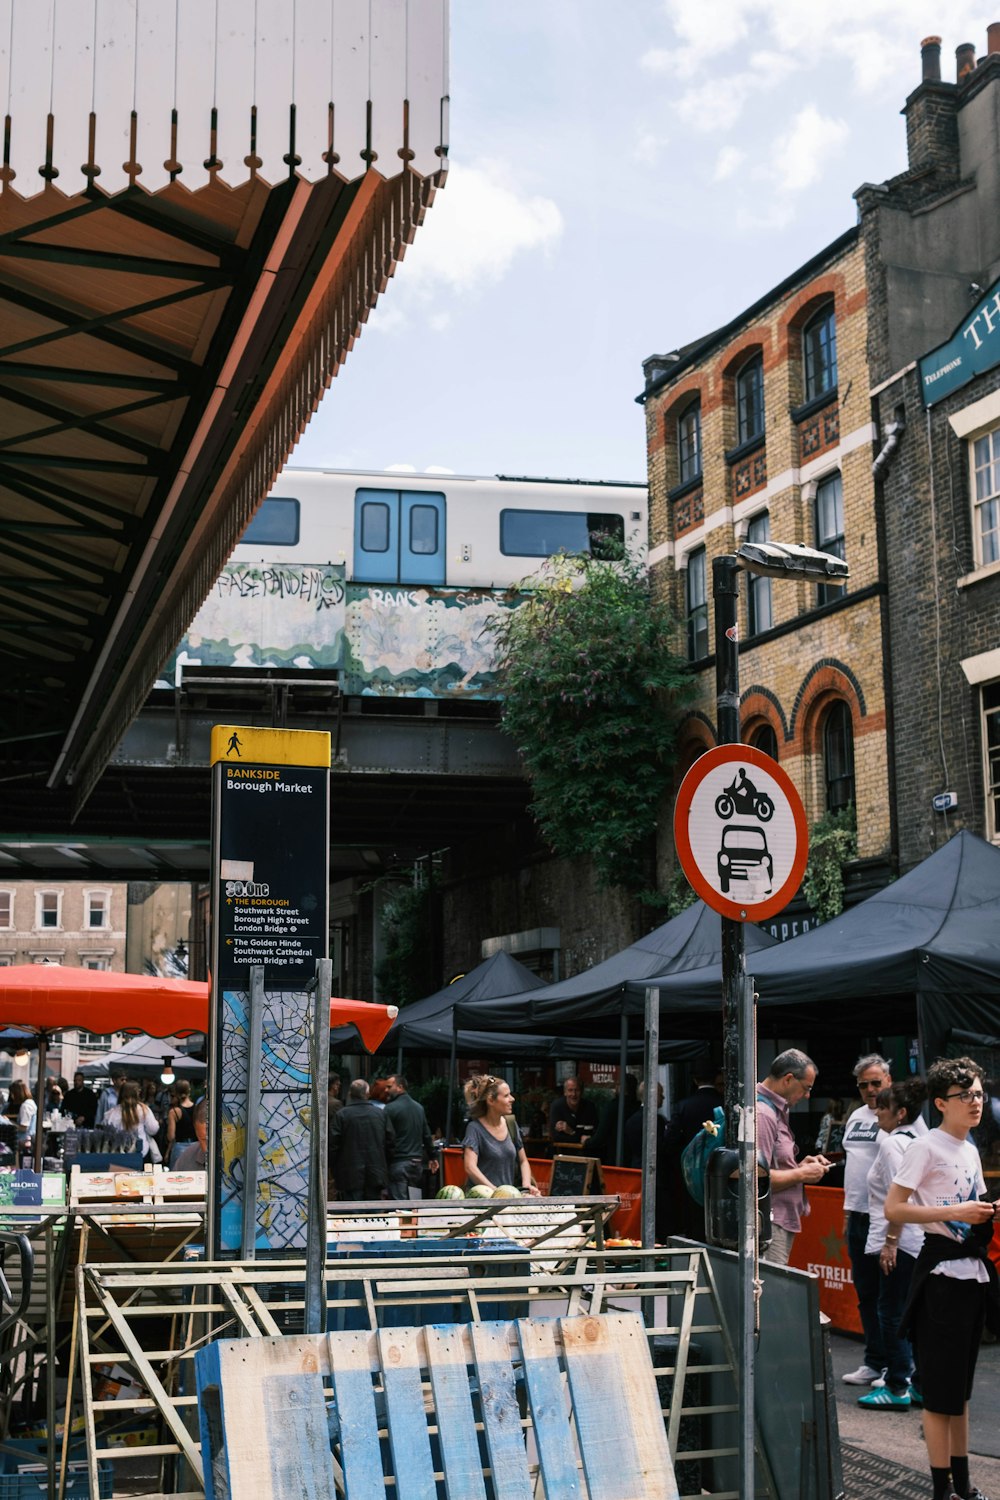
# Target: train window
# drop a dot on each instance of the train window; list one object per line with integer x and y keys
{"x": 276, "y": 524}
{"x": 539, "y": 533}
{"x": 374, "y": 526}
{"x": 423, "y": 529}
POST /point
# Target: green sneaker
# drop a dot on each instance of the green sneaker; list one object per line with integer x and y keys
{"x": 885, "y": 1398}
{"x": 916, "y": 1399}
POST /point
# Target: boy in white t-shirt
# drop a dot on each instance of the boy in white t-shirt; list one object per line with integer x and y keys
{"x": 939, "y": 1185}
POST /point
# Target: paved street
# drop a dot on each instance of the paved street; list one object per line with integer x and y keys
{"x": 897, "y": 1436}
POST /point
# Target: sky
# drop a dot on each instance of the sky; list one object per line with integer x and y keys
{"x": 624, "y": 178}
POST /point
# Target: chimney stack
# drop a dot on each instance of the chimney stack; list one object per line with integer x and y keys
{"x": 931, "y": 119}
{"x": 930, "y": 56}
{"x": 965, "y": 61}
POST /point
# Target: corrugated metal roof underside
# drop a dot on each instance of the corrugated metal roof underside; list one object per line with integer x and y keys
{"x": 159, "y": 357}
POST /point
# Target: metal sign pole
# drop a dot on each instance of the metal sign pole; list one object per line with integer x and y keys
{"x": 316, "y": 1238}
{"x": 739, "y": 1065}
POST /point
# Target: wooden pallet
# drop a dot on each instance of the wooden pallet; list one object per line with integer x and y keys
{"x": 414, "y": 1406}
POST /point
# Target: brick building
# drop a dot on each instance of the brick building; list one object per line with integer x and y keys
{"x": 932, "y": 242}
{"x": 763, "y": 430}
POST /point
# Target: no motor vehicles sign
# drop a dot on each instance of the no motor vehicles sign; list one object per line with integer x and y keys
{"x": 740, "y": 832}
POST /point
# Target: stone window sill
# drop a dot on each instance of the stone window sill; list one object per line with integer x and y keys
{"x": 978, "y": 575}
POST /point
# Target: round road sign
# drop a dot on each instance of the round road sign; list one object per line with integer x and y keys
{"x": 740, "y": 831}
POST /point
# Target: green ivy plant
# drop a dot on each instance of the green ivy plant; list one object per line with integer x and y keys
{"x": 592, "y": 692}
{"x": 833, "y": 843}
{"x": 404, "y": 971}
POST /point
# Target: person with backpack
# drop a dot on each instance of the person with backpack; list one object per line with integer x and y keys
{"x": 791, "y": 1078}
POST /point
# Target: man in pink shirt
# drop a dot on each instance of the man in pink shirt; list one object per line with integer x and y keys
{"x": 790, "y": 1079}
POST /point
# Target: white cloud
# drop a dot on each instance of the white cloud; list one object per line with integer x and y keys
{"x": 649, "y": 147}
{"x": 800, "y": 154}
{"x": 477, "y": 227}
{"x": 728, "y": 162}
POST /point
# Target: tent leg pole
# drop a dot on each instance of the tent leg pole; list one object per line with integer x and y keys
{"x": 452, "y": 1071}
{"x": 43, "y": 1049}
{"x": 649, "y": 1114}
{"x": 622, "y": 1067}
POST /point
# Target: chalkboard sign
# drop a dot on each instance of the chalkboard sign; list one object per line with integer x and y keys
{"x": 571, "y": 1176}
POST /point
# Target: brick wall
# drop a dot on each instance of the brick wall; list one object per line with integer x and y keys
{"x": 812, "y": 656}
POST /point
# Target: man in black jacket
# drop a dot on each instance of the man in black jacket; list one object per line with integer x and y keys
{"x": 414, "y": 1148}
{"x": 361, "y": 1143}
{"x": 688, "y": 1217}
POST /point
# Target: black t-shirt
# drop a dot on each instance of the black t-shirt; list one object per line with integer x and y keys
{"x": 583, "y": 1120}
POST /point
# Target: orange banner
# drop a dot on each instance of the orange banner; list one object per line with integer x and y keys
{"x": 622, "y": 1182}
{"x": 821, "y": 1247}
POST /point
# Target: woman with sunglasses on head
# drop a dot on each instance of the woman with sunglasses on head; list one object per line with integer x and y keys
{"x": 493, "y": 1153}
{"x": 939, "y": 1186}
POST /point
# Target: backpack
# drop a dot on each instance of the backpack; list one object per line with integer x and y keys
{"x": 694, "y": 1157}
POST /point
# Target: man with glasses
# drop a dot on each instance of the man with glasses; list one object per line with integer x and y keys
{"x": 789, "y": 1081}
{"x": 939, "y": 1186}
{"x": 861, "y": 1145}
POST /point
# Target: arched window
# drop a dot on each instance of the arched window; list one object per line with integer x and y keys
{"x": 689, "y": 443}
{"x": 750, "y": 400}
{"x": 838, "y": 756}
{"x": 764, "y": 738}
{"x": 819, "y": 353}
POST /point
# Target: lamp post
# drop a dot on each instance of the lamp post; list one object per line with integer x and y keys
{"x": 770, "y": 560}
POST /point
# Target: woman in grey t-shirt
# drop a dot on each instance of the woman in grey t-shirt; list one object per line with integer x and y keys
{"x": 493, "y": 1153}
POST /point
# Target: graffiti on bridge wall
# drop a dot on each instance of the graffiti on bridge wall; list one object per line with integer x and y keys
{"x": 388, "y": 641}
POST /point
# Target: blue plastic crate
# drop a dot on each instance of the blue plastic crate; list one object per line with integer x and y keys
{"x": 24, "y": 1474}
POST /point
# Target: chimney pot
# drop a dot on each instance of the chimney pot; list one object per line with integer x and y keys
{"x": 965, "y": 61}
{"x": 930, "y": 56}
{"x": 993, "y": 37}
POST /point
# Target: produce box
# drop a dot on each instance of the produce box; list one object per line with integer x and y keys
{"x": 24, "y": 1475}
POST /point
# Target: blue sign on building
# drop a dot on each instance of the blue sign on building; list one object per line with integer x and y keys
{"x": 972, "y": 348}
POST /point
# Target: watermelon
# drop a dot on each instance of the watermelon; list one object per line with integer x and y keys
{"x": 480, "y": 1191}
{"x": 450, "y": 1191}
{"x": 506, "y": 1190}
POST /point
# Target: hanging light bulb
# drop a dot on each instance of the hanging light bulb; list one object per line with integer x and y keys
{"x": 21, "y": 1057}
{"x": 168, "y": 1075}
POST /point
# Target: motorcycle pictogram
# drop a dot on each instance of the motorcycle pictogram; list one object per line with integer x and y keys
{"x": 743, "y": 797}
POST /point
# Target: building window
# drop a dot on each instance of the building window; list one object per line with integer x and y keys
{"x": 830, "y": 529}
{"x": 689, "y": 444}
{"x": 991, "y": 743}
{"x": 697, "y": 606}
{"x": 986, "y": 492}
{"x": 765, "y": 739}
{"x": 98, "y": 904}
{"x": 819, "y": 353}
{"x": 750, "y": 401}
{"x": 6, "y": 910}
{"x": 6, "y": 959}
{"x": 94, "y": 961}
{"x": 48, "y": 910}
{"x": 759, "y": 616}
{"x": 838, "y": 757}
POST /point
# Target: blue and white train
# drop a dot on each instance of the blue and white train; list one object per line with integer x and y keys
{"x": 390, "y": 578}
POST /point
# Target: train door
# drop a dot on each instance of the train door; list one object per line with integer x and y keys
{"x": 399, "y": 537}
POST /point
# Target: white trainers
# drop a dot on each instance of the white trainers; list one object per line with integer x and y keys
{"x": 863, "y": 1375}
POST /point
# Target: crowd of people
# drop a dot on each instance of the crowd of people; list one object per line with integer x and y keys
{"x": 918, "y": 1227}
{"x": 164, "y": 1121}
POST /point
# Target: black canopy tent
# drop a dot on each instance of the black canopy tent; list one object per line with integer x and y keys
{"x": 606, "y": 998}
{"x": 926, "y": 947}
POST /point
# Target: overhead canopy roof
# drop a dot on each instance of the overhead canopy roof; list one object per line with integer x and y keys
{"x": 199, "y": 204}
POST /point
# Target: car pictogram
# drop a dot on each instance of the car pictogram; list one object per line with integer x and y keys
{"x": 744, "y": 851}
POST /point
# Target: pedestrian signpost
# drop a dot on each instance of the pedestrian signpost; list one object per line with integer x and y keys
{"x": 740, "y": 833}
{"x": 270, "y": 851}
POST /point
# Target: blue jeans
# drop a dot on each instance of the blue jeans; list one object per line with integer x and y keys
{"x": 867, "y": 1278}
{"x": 893, "y": 1292}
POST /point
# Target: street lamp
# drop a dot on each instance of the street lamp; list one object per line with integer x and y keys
{"x": 770, "y": 560}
